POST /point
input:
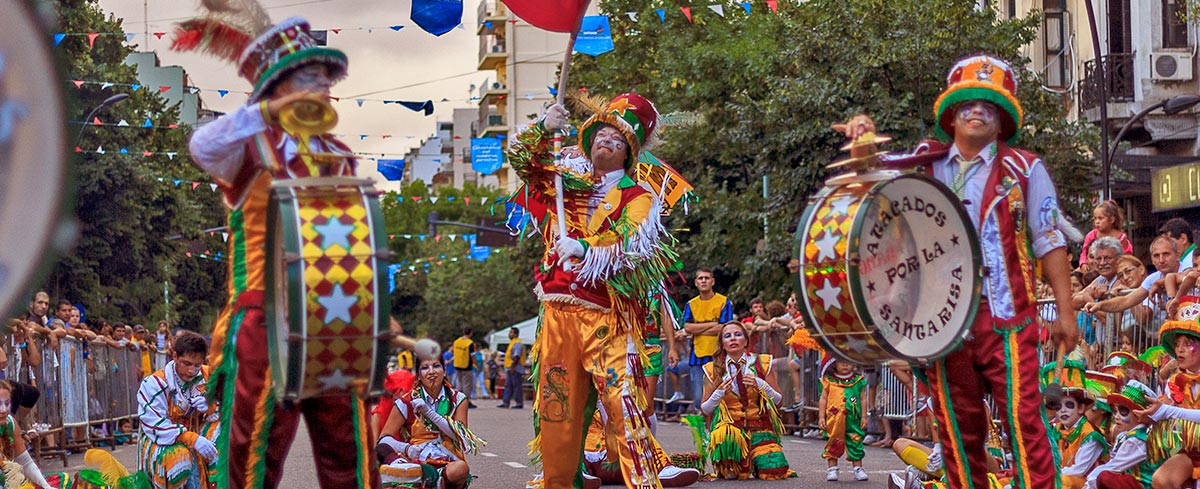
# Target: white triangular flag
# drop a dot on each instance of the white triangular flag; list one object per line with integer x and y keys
{"x": 717, "y": 9}
{"x": 632, "y": 16}
{"x": 122, "y": 123}
{"x": 453, "y": 237}
{"x": 433, "y": 199}
{"x": 100, "y": 149}
{"x": 224, "y": 236}
{"x": 213, "y": 186}
{"x": 171, "y": 155}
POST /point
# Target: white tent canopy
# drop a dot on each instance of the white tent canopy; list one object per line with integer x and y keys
{"x": 498, "y": 339}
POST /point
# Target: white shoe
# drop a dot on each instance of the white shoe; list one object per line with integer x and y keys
{"x": 676, "y": 397}
{"x": 831, "y": 474}
{"x": 870, "y": 439}
{"x": 860, "y": 474}
{"x": 672, "y": 476}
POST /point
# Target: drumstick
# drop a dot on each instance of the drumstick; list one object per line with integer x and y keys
{"x": 1054, "y": 391}
{"x": 423, "y": 348}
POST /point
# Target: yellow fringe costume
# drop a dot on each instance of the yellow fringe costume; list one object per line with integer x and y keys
{"x": 746, "y": 429}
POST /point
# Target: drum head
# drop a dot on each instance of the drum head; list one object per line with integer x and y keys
{"x": 915, "y": 268}
{"x": 32, "y": 160}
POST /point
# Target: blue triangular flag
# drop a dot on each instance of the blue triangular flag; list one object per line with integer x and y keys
{"x": 488, "y": 24}
{"x": 396, "y": 27}
{"x": 437, "y": 17}
{"x": 135, "y": 86}
{"x": 223, "y": 93}
{"x": 58, "y": 38}
{"x": 399, "y": 198}
{"x": 662, "y": 15}
{"x": 746, "y": 5}
{"x": 421, "y": 237}
{"x": 124, "y": 151}
{"x": 147, "y": 123}
{"x": 426, "y": 106}
{"x": 553, "y": 91}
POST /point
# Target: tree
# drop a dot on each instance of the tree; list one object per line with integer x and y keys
{"x": 769, "y": 85}
{"x": 127, "y": 204}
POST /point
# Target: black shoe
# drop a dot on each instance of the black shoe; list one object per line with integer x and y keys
{"x": 502, "y": 406}
{"x": 522, "y": 406}
{"x": 471, "y": 405}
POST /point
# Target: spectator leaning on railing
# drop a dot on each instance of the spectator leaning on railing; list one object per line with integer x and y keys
{"x": 1104, "y": 252}
{"x": 1165, "y": 256}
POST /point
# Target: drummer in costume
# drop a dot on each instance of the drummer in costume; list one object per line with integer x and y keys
{"x": 593, "y": 284}
{"x": 178, "y": 425}
{"x": 1127, "y": 466}
{"x": 426, "y": 439}
{"x": 1013, "y": 205}
{"x": 1080, "y": 445}
{"x": 1175, "y": 435}
{"x": 245, "y": 151}
{"x": 742, "y": 396}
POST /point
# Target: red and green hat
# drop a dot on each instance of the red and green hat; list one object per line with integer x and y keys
{"x": 1134, "y": 396}
{"x": 1185, "y": 322}
{"x": 980, "y": 77}
{"x": 1125, "y": 365}
{"x": 286, "y": 46}
{"x": 1099, "y": 385}
{"x": 631, "y": 114}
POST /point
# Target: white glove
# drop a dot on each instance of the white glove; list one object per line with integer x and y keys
{"x": 206, "y": 449}
{"x": 200, "y": 404}
{"x": 935, "y": 459}
{"x": 567, "y": 248}
{"x": 555, "y": 118}
{"x": 709, "y": 405}
{"x": 419, "y": 405}
{"x": 30, "y": 470}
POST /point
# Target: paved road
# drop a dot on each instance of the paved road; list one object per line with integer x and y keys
{"x": 504, "y": 463}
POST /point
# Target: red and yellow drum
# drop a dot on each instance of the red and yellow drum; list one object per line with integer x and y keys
{"x": 327, "y": 254}
{"x": 889, "y": 267}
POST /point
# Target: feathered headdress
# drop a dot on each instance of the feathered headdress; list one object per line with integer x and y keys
{"x": 240, "y": 31}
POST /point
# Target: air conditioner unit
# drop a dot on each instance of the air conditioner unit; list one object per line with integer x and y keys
{"x": 1171, "y": 66}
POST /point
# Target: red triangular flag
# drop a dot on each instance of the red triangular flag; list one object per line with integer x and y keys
{"x": 195, "y": 184}
{"x": 336, "y": 31}
{"x": 159, "y": 34}
{"x": 164, "y": 88}
{"x": 173, "y": 126}
{"x": 467, "y": 200}
{"x": 189, "y": 254}
{"x": 96, "y": 121}
{"x": 437, "y": 238}
{"x": 416, "y": 198}
{"x": 78, "y": 149}
{"x": 92, "y": 38}
{"x": 774, "y": 4}
{"x": 146, "y": 153}
{"x": 551, "y": 15}
{"x": 687, "y": 12}
{"x": 78, "y": 83}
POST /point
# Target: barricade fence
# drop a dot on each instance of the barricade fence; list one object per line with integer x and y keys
{"x": 82, "y": 386}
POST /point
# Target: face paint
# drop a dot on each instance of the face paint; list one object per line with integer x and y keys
{"x": 1070, "y": 412}
{"x": 979, "y": 110}
{"x": 5, "y": 406}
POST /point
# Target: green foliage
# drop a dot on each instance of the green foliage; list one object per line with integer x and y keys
{"x": 769, "y": 85}
{"x": 126, "y": 203}
{"x": 439, "y": 290}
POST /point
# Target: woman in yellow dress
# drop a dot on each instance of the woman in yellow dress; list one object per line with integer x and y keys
{"x": 742, "y": 397}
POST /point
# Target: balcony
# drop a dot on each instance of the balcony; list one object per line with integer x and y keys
{"x": 493, "y": 126}
{"x": 491, "y": 11}
{"x": 1118, "y": 73}
{"x": 492, "y": 54}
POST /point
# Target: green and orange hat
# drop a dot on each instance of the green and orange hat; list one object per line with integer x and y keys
{"x": 631, "y": 114}
{"x": 980, "y": 77}
{"x": 1185, "y": 323}
{"x": 1099, "y": 385}
{"x": 1125, "y": 365}
{"x": 1134, "y": 396}
{"x": 1073, "y": 380}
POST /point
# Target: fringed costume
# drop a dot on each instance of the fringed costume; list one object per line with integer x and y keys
{"x": 244, "y": 152}
{"x": 170, "y": 426}
{"x": 746, "y": 428}
{"x": 1081, "y": 448}
{"x": 429, "y": 438}
{"x": 843, "y": 416}
{"x": 589, "y": 342}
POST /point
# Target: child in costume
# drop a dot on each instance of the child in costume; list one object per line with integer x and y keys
{"x": 1127, "y": 466}
{"x": 843, "y": 405}
{"x": 742, "y": 396}
{"x": 1175, "y": 435}
{"x": 12, "y": 447}
{"x": 178, "y": 424}
{"x": 426, "y": 439}
{"x": 1080, "y": 445}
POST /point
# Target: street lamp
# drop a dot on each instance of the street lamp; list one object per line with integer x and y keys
{"x": 120, "y": 97}
{"x": 1171, "y": 106}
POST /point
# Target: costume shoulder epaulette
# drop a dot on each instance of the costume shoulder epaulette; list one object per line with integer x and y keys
{"x": 1021, "y": 161}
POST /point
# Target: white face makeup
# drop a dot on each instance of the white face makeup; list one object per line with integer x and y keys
{"x": 1070, "y": 411}
{"x": 5, "y": 404}
{"x": 1123, "y": 416}
{"x": 982, "y": 111}
{"x": 431, "y": 373}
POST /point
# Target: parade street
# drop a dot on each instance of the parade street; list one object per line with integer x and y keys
{"x": 504, "y": 463}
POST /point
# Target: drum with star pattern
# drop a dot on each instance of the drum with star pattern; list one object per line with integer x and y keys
{"x": 327, "y": 299}
{"x": 890, "y": 267}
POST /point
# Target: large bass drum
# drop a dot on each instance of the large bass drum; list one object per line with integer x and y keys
{"x": 326, "y": 251}
{"x": 889, "y": 267}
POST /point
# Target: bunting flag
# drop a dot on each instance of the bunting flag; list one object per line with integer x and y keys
{"x": 773, "y": 5}
{"x": 550, "y": 15}
{"x": 717, "y": 9}
{"x": 662, "y": 15}
{"x": 436, "y": 17}
{"x": 687, "y": 12}
{"x": 595, "y": 37}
